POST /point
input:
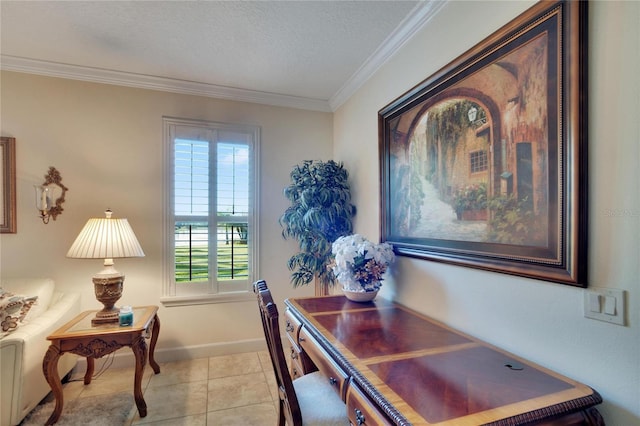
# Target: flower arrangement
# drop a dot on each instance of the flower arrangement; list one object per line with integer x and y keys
{"x": 471, "y": 197}
{"x": 359, "y": 264}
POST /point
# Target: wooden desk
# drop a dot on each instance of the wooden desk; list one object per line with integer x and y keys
{"x": 392, "y": 365}
{"x": 79, "y": 337}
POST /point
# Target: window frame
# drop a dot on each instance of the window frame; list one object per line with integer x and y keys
{"x": 481, "y": 159}
{"x": 211, "y": 291}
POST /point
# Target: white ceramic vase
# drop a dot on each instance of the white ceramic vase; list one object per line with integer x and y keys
{"x": 360, "y": 296}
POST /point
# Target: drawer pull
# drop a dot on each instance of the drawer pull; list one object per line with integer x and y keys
{"x": 332, "y": 381}
{"x": 289, "y": 327}
{"x": 359, "y": 417}
{"x": 301, "y": 339}
{"x": 294, "y": 354}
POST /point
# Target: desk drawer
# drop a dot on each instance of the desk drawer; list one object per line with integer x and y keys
{"x": 292, "y": 326}
{"x": 335, "y": 375}
{"x": 295, "y": 361}
{"x": 361, "y": 410}
{"x": 298, "y": 360}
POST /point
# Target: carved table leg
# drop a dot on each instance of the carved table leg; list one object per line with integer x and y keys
{"x": 50, "y": 370}
{"x": 88, "y": 375}
{"x": 139, "y": 348}
{"x": 152, "y": 347}
{"x": 593, "y": 417}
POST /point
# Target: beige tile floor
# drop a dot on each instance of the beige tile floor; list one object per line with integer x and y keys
{"x": 234, "y": 389}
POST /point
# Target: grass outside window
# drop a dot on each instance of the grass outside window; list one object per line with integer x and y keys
{"x": 233, "y": 259}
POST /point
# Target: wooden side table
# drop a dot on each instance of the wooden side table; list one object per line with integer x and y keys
{"x": 79, "y": 337}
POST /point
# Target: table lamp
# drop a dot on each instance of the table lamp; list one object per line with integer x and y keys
{"x": 106, "y": 238}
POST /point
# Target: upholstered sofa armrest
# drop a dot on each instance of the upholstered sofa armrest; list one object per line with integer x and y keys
{"x": 21, "y": 352}
{"x": 63, "y": 308}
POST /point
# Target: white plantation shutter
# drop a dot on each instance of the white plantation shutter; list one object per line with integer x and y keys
{"x": 191, "y": 204}
{"x": 212, "y": 204}
{"x": 191, "y": 177}
{"x": 233, "y": 190}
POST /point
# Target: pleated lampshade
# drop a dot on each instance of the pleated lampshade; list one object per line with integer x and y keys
{"x": 106, "y": 238}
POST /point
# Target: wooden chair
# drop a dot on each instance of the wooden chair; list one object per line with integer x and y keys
{"x": 308, "y": 400}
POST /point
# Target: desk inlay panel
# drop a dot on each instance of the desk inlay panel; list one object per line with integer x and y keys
{"x": 370, "y": 333}
{"x": 339, "y": 304}
{"x": 469, "y": 380}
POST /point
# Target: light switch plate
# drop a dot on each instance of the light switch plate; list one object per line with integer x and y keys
{"x": 610, "y": 305}
{"x": 594, "y": 302}
{"x": 614, "y": 304}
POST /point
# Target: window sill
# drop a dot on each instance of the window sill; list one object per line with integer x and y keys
{"x": 206, "y": 299}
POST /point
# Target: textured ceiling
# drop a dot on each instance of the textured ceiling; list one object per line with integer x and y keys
{"x": 306, "y": 49}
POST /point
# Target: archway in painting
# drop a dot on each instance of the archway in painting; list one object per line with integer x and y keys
{"x": 455, "y": 164}
{"x": 442, "y": 160}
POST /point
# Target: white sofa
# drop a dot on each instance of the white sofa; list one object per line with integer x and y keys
{"x": 23, "y": 384}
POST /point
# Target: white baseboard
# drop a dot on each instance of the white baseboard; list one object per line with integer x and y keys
{"x": 124, "y": 358}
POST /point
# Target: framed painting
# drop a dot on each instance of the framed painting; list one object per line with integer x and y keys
{"x": 8, "y": 185}
{"x": 484, "y": 163}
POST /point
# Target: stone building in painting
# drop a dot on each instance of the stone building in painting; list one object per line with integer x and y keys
{"x": 490, "y": 131}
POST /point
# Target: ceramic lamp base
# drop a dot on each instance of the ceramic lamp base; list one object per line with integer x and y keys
{"x": 108, "y": 290}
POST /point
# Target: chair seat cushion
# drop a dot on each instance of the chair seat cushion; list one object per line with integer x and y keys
{"x": 319, "y": 402}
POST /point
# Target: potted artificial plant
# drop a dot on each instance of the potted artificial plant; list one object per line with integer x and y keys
{"x": 320, "y": 212}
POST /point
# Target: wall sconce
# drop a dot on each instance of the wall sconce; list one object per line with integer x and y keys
{"x": 52, "y": 189}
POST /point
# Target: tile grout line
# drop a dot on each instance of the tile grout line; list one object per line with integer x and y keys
{"x": 132, "y": 418}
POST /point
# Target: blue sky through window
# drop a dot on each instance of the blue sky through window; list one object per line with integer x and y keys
{"x": 192, "y": 169}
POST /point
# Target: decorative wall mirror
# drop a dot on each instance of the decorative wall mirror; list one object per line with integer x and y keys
{"x": 50, "y": 195}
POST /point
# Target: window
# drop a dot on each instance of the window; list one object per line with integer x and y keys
{"x": 211, "y": 211}
{"x": 479, "y": 162}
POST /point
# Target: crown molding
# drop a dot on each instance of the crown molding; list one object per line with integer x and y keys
{"x": 414, "y": 22}
{"x": 141, "y": 81}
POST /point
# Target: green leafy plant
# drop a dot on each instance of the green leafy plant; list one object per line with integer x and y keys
{"x": 320, "y": 212}
{"x": 511, "y": 222}
{"x": 470, "y": 197}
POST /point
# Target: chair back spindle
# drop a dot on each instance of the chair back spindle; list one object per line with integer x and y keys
{"x": 289, "y": 408}
{"x": 309, "y": 400}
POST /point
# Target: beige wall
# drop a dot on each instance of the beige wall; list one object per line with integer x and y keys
{"x": 538, "y": 320}
{"x": 106, "y": 141}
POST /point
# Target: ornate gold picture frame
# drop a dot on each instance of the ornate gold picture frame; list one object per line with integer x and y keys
{"x": 484, "y": 163}
{"x": 8, "y": 185}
